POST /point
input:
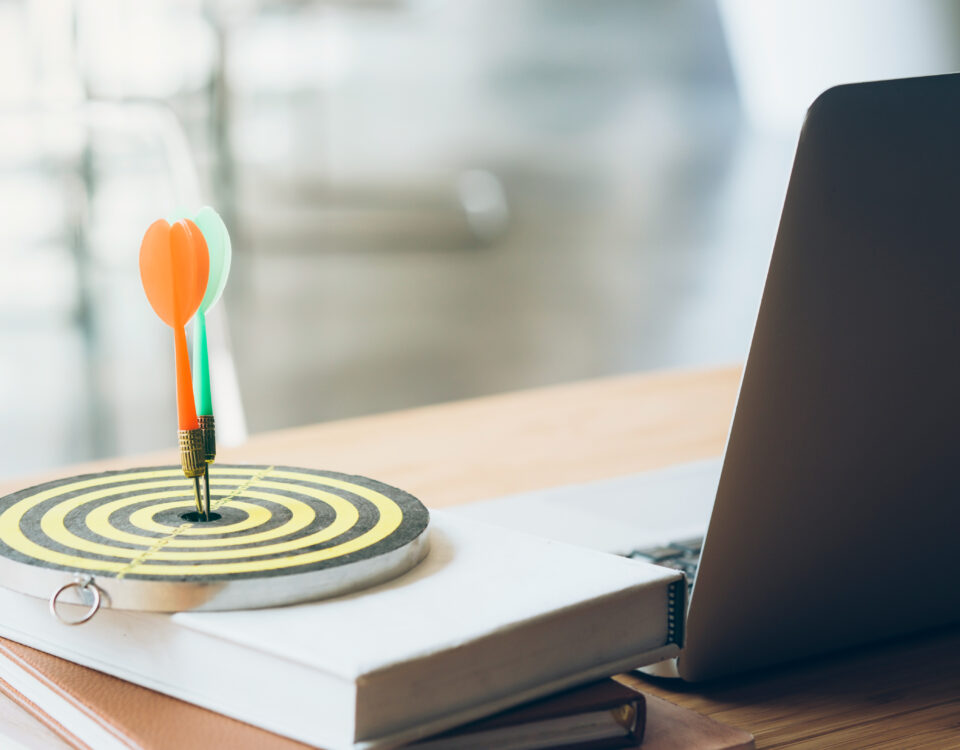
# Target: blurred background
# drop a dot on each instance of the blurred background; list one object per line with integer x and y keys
{"x": 428, "y": 200}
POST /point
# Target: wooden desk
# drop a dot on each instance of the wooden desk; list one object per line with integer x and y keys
{"x": 895, "y": 696}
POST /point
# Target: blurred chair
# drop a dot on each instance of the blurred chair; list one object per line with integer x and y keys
{"x": 71, "y": 247}
{"x": 472, "y": 204}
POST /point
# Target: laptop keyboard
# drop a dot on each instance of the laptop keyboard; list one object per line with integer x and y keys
{"x": 682, "y": 555}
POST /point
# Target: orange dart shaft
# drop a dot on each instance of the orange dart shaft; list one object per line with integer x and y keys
{"x": 186, "y": 407}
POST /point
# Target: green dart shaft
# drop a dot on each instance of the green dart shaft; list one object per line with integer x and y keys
{"x": 201, "y": 366}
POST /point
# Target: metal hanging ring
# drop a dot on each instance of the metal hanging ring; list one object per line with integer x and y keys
{"x": 81, "y": 584}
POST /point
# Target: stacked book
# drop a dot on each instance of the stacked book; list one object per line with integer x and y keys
{"x": 490, "y": 620}
{"x": 88, "y": 709}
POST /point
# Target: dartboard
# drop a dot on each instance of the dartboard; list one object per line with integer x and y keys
{"x": 276, "y": 535}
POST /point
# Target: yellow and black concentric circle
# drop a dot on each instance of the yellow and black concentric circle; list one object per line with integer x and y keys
{"x": 268, "y": 521}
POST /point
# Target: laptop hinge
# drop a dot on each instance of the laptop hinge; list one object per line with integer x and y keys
{"x": 676, "y": 611}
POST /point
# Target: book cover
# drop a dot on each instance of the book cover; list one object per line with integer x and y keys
{"x": 484, "y": 623}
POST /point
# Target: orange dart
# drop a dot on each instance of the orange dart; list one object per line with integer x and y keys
{"x": 174, "y": 265}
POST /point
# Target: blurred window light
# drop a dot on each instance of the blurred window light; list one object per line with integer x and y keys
{"x": 786, "y": 52}
{"x": 34, "y": 137}
{"x": 283, "y": 53}
{"x": 45, "y": 284}
{"x": 33, "y": 207}
{"x": 148, "y": 48}
{"x": 51, "y": 32}
{"x": 15, "y": 54}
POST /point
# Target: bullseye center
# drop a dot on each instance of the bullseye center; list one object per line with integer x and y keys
{"x": 173, "y": 517}
{"x": 196, "y": 517}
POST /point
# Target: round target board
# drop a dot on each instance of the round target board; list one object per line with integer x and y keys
{"x": 277, "y": 535}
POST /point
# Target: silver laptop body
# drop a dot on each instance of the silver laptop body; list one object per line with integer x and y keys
{"x": 837, "y": 506}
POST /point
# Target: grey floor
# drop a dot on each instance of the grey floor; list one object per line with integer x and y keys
{"x": 640, "y": 215}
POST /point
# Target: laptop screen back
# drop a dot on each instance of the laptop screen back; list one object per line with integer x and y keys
{"x": 839, "y": 502}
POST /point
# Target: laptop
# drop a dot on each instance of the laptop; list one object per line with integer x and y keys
{"x": 832, "y": 518}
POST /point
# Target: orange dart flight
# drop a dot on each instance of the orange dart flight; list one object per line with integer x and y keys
{"x": 174, "y": 265}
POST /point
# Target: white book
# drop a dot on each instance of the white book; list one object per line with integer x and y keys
{"x": 490, "y": 619}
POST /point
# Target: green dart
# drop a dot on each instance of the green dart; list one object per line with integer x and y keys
{"x": 218, "y": 245}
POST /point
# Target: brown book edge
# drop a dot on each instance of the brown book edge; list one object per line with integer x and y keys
{"x": 137, "y": 716}
{"x": 42, "y": 716}
{"x": 147, "y": 720}
{"x": 142, "y": 718}
{"x": 605, "y": 695}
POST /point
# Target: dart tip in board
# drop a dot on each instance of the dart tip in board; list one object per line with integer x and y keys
{"x": 195, "y": 517}
{"x": 206, "y": 493}
{"x": 194, "y": 464}
{"x": 202, "y": 499}
{"x": 196, "y": 495}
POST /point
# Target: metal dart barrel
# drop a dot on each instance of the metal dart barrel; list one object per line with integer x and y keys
{"x": 194, "y": 463}
{"x": 208, "y": 429}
